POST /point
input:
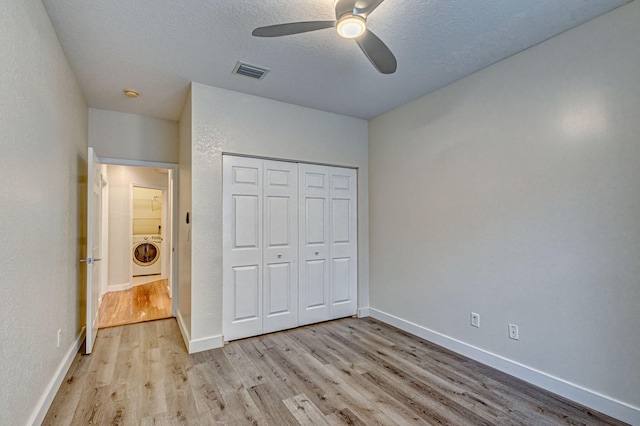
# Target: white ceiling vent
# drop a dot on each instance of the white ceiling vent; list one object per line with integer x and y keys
{"x": 250, "y": 70}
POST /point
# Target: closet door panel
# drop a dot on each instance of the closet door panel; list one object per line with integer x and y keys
{"x": 278, "y": 288}
{"x": 246, "y": 213}
{"x": 340, "y": 280}
{"x": 280, "y": 304}
{"x": 246, "y": 288}
{"x": 314, "y": 244}
{"x": 343, "y": 246}
{"x": 279, "y": 221}
{"x": 242, "y": 247}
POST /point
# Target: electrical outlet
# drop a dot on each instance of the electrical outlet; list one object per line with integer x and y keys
{"x": 475, "y": 319}
{"x": 59, "y": 336}
{"x": 513, "y": 332}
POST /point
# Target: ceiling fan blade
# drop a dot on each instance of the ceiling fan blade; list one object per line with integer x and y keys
{"x": 377, "y": 52}
{"x": 344, "y": 6}
{"x": 292, "y": 28}
{"x": 365, "y": 7}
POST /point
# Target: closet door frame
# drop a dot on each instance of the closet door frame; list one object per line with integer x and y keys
{"x": 289, "y": 244}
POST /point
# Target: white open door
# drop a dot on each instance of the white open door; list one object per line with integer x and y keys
{"x": 94, "y": 224}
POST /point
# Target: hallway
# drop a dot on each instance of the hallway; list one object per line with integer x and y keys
{"x": 145, "y": 302}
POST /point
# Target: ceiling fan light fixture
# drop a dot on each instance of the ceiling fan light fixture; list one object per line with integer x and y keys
{"x": 350, "y": 23}
{"x": 351, "y": 26}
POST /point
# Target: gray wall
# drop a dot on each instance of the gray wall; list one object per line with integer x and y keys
{"x": 515, "y": 193}
{"x": 133, "y": 137}
{"x": 43, "y": 145}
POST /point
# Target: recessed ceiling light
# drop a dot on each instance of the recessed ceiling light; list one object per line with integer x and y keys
{"x": 131, "y": 93}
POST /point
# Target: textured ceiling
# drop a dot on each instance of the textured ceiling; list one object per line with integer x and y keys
{"x": 159, "y": 46}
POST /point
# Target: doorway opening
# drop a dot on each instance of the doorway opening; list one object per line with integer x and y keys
{"x": 138, "y": 233}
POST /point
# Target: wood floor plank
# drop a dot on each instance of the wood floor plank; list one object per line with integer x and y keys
{"x": 299, "y": 377}
{"x": 286, "y": 344}
{"x": 476, "y": 382}
{"x": 207, "y": 396}
{"x": 441, "y": 395}
{"x": 243, "y": 409}
{"x": 106, "y": 359}
{"x": 344, "y": 417}
{"x": 246, "y": 372}
{"x": 464, "y": 383}
{"x": 285, "y": 381}
{"x": 305, "y": 412}
{"x": 69, "y": 393}
{"x": 272, "y": 407}
{"x": 345, "y": 372}
{"x": 407, "y": 375}
{"x": 146, "y": 302}
{"x": 122, "y": 403}
{"x": 372, "y": 406}
{"x": 307, "y": 337}
{"x": 90, "y": 410}
{"x": 180, "y": 403}
{"x": 268, "y": 373}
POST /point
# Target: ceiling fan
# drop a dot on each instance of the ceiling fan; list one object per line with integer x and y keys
{"x": 351, "y": 23}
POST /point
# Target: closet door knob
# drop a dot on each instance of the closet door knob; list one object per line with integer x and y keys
{"x": 279, "y": 256}
{"x": 317, "y": 253}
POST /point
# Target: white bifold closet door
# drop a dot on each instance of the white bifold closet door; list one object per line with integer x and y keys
{"x": 289, "y": 245}
{"x": 328, "y": 243}
{"x": 280, "y": 257}
{"x": 260, "y": 246}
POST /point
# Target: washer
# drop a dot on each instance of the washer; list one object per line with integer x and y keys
{"x": 145, "y": 255}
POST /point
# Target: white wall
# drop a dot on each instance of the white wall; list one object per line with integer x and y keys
{"x": 225, "y": 121}
{"x": 43, "y": 144}
{"x": 147, "y": 211}
{"x": 120, "y": 179}
{"x": 515, "y": 193}
{"x": 133, "y": 137}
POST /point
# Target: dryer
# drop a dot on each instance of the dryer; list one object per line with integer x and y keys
{"x": 146, "y": 254}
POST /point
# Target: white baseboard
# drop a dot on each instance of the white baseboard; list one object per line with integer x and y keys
{"x": 609, "y": 406}
{"x": 197, "y": 345}
{"x": 206, "y": 343}
{"x": 49, "y": 393}
{"x": 119, "y": 287}
{"x": 363, "y": 312}
{"x": 186, "y": 335}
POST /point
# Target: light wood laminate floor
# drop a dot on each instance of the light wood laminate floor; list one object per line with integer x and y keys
{"x": 351, "y": 371}
{"x": 145, "y": 302}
